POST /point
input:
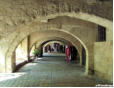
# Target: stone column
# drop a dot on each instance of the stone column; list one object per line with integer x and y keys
{"x": 2, "y": 62}
{"x": 28, "y": 48}
{"x": 13, "y": 61}
{"x": 80, "y": 53}
{"x": 90, "y": 59}
{"x": 41, "y": 50}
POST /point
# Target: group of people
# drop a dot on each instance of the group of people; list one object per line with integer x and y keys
{"x": 70, "y": 51}
{"x": 55, "y": 47}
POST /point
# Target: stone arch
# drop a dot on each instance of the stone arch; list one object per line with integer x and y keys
{"x": 79, "y": 15}
{"x": 46, "y": 39}
{"x": 45, "y": 43}
{"x": 20, "y": 38}
{"x": 42, "y": 40}
{"x": 83, "y": 16}
{"x": 62, "y": 36}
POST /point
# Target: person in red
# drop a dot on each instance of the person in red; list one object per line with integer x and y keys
{"x": 67, "y": 51}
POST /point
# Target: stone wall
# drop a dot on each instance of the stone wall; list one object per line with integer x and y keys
{"x": 14, "y": 13}
{"x": 75, "y": 20}
{"x": 70, "y": 32}
{"x": 21, "y": 52}
{"x": 103, "y": 60}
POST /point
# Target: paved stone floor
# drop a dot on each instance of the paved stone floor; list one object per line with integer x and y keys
{"x": 49, "y": 72}
{"x": 54, "y": 54}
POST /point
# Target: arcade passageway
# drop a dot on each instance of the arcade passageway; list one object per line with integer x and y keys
{"x": 49, "y": 71}
{"x": 80, "y": 29}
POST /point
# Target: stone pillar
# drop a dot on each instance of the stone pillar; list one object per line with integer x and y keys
{"x": 41, "y": 50}
{"x": 2, "y": 62}
{"x": 10, "y": 64}
{"x": 90, "y": 59}
{"x": 80, "y": 53}
{"x": 28, "y": 48}
{"x": 35, "y": 45}
{"x": 13, "y": 61}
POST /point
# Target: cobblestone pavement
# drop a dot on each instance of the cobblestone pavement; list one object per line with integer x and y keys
{"x": 49, "y": 72}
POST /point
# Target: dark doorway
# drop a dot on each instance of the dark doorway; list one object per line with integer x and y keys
{"x": 73, "y": 53}
{"x": 83, "y": 56}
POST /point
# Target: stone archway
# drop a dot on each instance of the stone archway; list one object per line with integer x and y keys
{"x": 33, "y": 13}
{"x": 79, "y": 15}
{"x": 45, "y": 43}
{"x": 12, "y": 49}
{"x": 83, "y": 16}
{"x": 14, "y": 36}
{"x": 49, "y": 37}
{"x": 75, "y": 42}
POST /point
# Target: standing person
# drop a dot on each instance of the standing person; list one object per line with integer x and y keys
{"x": 67, "y": 51}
